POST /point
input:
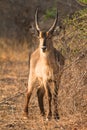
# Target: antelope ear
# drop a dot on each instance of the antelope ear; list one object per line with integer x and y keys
{"x": 38, "y": 33}
{"x": 49, "y": 35}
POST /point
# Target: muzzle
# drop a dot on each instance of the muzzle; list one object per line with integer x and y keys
{"x": 43, "y": 48}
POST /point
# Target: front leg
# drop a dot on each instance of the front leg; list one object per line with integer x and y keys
{"x": 49, "y": 95}
{"x": 28, "y": 96}
{"x": 50, "y": 101}
{"x": 40, "y": 94}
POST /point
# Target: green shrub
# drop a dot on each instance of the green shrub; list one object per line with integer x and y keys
{"x": 83, "y": 1}
{"x": 50, "y": 13}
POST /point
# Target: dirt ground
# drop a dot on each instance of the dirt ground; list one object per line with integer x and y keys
{"x": 13, "y": 84}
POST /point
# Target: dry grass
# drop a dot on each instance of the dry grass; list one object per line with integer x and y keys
{"x": 72, "y": 98}
{"x": 13, "y": 51}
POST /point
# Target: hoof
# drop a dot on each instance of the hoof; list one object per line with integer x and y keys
{"x": 56, "y": 116}
{"x": 25, "y": 115}
{"x": 43, "y": 114}
{"x": 49, "y": 117}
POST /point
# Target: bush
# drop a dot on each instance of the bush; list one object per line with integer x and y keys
{"x": 83, "y": 1}
{"x": 50, "y": 13}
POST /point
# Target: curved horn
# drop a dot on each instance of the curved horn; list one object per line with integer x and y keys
{"x": 36, "y": 20}
{"x": 54, "y": 24}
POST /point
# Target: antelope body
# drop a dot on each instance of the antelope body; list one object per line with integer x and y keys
{"x": 45, "y": 68}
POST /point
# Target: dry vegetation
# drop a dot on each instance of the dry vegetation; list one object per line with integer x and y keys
{"x": 72, "y": 100}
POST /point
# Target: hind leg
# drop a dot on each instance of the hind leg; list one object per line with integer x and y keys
{"x": 49, "y": 100}
{"x": 55, "y": 99}
{"x": 40, "y": 94}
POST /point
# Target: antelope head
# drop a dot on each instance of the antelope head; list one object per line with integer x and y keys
{"x": 44, "y": 36}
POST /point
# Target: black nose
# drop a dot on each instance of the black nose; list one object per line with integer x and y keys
{"x": 43, "y": 48}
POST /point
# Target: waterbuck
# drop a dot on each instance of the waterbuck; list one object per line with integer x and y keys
{"x": 46, "y": 64}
